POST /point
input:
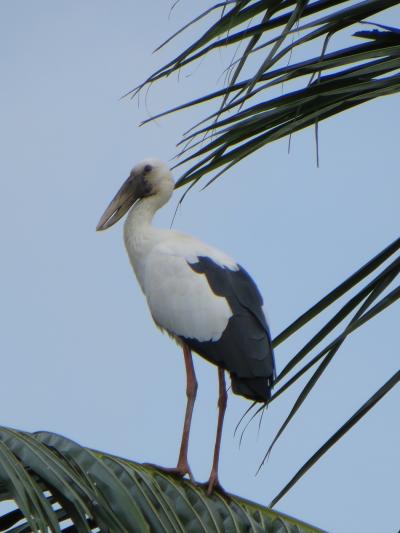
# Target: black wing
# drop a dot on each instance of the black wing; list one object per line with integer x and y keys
{"x": 244, "y": 349}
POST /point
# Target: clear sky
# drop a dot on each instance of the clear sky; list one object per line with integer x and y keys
{"x": 80, "y": 354}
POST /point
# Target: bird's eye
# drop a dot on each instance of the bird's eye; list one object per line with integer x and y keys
{"x": 148, "y": 168}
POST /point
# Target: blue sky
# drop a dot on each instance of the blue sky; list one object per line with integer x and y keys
{"x": 81, "y": 355}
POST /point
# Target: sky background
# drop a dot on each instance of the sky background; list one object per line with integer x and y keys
{"x": 80, "y": 354}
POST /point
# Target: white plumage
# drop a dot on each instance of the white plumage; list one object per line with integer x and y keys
{"x": 180, "y": 300}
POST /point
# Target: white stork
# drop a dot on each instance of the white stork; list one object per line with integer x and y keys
{"x": 198, "y": 295}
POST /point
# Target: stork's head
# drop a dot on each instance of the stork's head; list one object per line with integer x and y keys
{"x": 150, "y": 180}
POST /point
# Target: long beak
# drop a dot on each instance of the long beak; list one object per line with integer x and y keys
{"x": 122, "y": 201}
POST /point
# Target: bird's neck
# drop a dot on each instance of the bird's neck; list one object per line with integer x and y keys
{"x": 140, "y": 236}
{"x": 141, "y": 215}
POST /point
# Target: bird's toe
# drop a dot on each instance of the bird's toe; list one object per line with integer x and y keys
{"x": 179, "y": 471}
{"x": 213, "y": 484}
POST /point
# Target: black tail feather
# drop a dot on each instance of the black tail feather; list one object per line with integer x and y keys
{"x": 257, "y": 389}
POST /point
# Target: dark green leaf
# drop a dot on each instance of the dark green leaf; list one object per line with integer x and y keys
{"x": 118, "y": 495}
{"x": 367, "y": 406}
{"x": 378, "y": 288}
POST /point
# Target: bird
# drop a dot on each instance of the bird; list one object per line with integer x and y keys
{"x": 199, "y": 296}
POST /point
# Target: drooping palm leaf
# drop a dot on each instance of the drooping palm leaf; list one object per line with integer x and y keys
{"x": 59, "y": 485}
{"x": 351, "y": 422}
{"x": 345, "y": 77}
{"x": 365, "y": 312}
{"x": 347, "y": 285}
{"x": 368, "y": 307}
{"x": 386, "y": 276}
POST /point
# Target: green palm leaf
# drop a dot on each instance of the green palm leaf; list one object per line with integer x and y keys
{"x": 59, "y": 485}
{"x": 351, "y": 422}
{"x": 365, "y": 305}
{"x": 341, "y": 79}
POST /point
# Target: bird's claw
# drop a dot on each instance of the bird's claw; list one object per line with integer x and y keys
{"x": 180, "y": 470}
{"x": 213, "y": 484}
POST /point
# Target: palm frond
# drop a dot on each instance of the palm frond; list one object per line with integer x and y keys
{"x": 374, "y": 289}
{"x": 374, "y": 297}
{"x": 351, "y": 422}
{"x": 58, "y": 485}
{"x": 248, "y": 118}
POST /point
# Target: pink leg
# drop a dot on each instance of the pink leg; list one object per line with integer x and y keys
{"x": 183, "y": 468}
{"x": 191, "y": 391}
{"x": 213, "y": 481}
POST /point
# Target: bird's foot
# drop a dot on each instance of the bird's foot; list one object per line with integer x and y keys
{"x": 213, "y": 484}
{"x": 180, "y": 470}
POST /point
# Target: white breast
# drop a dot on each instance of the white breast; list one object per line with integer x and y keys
{"x": 181, "y": 300}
